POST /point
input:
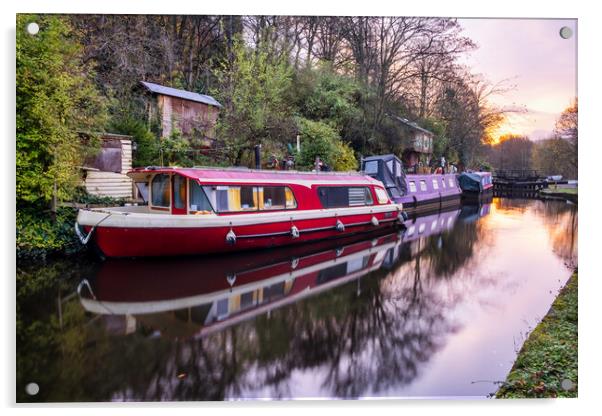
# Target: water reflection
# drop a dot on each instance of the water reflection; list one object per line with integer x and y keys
{"x": 363, "y": 316}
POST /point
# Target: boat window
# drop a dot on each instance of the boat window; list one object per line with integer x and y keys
{"x": 390, "y": 166}
{"x": 232, "y": 198}
{"x": 451, "y": 182}
{"x": 381, "y": 195}
{"x": 179, "y": 192}
{"x": 143, "y": 190}
{"x": 371, "y": 167}
{"x": 160, "y": 190}
{"x": 398, "y": 168}
{"x": 276, "y": 197}
{"x": 342, "y": 196}
{"x": 412, "y": 186}
{"x": 199, "y": 203}
{"x": 394, "y": 192}
{"x": 443, "y": 182}
{"x": 435, "y": 184}
{"x": 422, "y": 185}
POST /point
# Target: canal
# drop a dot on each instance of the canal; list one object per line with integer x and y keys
{"x": 438, "y": 310}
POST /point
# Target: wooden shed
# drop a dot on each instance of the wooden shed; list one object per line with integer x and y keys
{"x": 105, "y": 174}
{"x": 193, "y": 114}
{"x": 420, "y": 147}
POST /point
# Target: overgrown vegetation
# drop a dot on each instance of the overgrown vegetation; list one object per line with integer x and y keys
{"x": 56, "y": 98}
{"x": 546, "y": 365}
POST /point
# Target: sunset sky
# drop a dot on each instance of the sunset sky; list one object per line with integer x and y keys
{"x": 534, "y": 58}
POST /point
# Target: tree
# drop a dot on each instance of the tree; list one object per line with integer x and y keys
{"x": 512, "y": 152}
{"x": 553, "y": 157}
{"x": 255, "y": 92}
{"x": 567, "y": 128}
{"x": 318, "y": 139}
{"x": 56, "y": 99}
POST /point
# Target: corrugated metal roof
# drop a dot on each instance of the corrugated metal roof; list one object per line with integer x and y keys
{"x": 411, "y": 124}
{"x": 186, "y": 95}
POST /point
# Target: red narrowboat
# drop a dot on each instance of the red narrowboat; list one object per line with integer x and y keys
{"x": 212, "y": 210}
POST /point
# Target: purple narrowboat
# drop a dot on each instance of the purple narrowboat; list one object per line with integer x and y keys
{"x": 419, "y": 193}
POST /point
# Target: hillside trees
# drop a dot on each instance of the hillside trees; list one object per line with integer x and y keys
{"x": 254, "y": 89}
{"x": 351, "y": 73}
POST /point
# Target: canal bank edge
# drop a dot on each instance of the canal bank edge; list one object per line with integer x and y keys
{"x": 547, "y": 363}
{"x": 561, "y": 194}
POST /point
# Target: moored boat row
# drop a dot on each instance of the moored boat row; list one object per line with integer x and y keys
{"x": 418, "y": 193}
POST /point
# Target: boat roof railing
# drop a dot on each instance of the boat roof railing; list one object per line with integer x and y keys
{"x": 245, "y": 169}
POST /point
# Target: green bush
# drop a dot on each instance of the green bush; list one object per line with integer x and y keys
{"x": 39, "y": 236}
{"x": 147, "y": 144}
{"x": 318, "y": 139}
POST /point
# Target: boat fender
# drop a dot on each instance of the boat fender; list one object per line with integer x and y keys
{"x": 231, "y": 278}
{"x": 340, "y": 226}
{"x": 294, "y": 232}
{"x": 231, "y": 237}
{"x": 403, "y": 216}
{"x": 374, "y": 221}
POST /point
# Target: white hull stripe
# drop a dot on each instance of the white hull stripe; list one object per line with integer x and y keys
{"x": 311, "y": 230}
{"x": 120, "y": 218}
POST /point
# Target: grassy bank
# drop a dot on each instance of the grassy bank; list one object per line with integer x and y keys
{"x": 554, "y": 192}
{"x": 546, "y": 365}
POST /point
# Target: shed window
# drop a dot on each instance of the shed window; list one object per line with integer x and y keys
{"x": 342, "y": 196}
{"x": 160, "y": 190}
{"x": 199, "y": 203}
{"x": 412, "y": 186}
{"x": 422, "y": 185}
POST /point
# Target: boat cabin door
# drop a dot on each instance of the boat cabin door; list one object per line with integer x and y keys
{"x": 179, "y": 195}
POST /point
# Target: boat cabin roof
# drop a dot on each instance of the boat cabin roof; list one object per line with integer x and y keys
{"x": 385, "y": 158}
{"x": 242, "y": 175}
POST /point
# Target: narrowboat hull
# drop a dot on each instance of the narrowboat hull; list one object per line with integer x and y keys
{"x": 430, "y": 200}
{"x": 127, "y": 233}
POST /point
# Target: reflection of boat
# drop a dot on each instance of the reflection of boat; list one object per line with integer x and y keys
{"x": 417, "y": 193}
{"x": 472, "y": 212}
{"x": 198, "y": 211}
{"x": 218, "y": 292}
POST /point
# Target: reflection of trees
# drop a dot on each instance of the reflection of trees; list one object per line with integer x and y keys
{"x": 561, "y": 222}
{"x": 508, "y": 205}
{"x": 359, "y": 342}
{"x": 450, "y": 251}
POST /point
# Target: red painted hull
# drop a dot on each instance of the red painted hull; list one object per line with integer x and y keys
{"x": 144, "y": 242}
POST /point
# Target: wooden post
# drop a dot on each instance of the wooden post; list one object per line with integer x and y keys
{"x": 53, "y": 204}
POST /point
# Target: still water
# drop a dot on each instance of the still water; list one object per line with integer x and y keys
{"x": 439, "y": 310}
